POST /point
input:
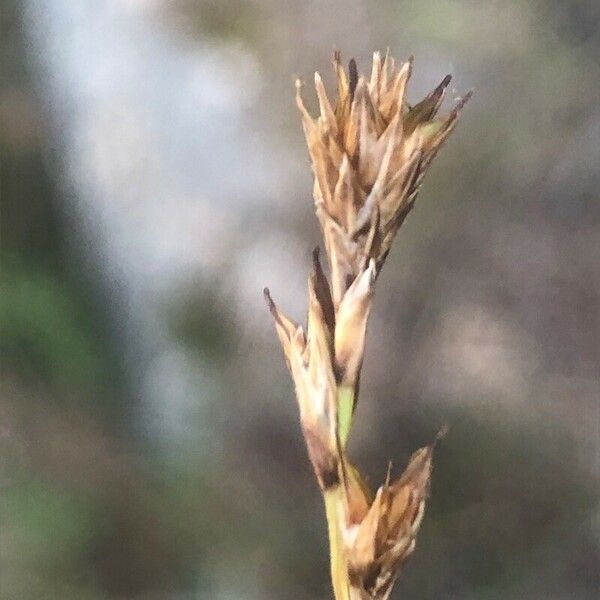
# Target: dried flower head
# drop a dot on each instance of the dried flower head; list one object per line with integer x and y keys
{"x": 379, "y": 533}
{"x": 369, "y": 152}
{"x": 310, "y": 360}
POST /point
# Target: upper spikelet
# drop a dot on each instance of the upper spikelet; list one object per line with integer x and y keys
{"x": 369, "y": 152}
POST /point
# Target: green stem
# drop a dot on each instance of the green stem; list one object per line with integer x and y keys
{"x": 334, "y": 499}
{"x": 345, "y": 412}
{"x": 339, "y": 570}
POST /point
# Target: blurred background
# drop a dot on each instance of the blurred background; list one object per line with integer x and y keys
{"x": 154, "y": 178}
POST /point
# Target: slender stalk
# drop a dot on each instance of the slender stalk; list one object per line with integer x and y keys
{"x": 334, "y": 498}
{"x": 345, "y": 395}
{"x": 339, "y": 571}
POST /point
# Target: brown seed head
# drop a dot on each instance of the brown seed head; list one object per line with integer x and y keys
{"x": 369, "y": 152}
{"x": 380, "y": 533}
{"x": 309, "y": 359}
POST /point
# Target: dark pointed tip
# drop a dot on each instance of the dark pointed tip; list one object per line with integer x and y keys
{"x": 440, "y": 89}
{"x": 316, "y": 263}
{"x": 337, "y": 55}
{"x": 269, "y": 300}
{"x": 316, "y": 259}
{"x": 352, "y": 76}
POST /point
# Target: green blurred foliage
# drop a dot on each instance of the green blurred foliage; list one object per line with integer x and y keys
{"x": 40, "y": 338}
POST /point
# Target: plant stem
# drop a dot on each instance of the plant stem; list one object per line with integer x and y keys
{"x": 345, "y": 401}
{"x": 334, "y": 498}
{"x": 339, "y": 571}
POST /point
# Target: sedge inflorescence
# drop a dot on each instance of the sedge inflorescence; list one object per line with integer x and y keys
{"x": 369, "y": 151}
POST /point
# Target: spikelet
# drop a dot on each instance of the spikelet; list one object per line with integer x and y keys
{"x": 369, "y": 152}
{"x": 310, "y": 360}
{"x": 379, "y": 532}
